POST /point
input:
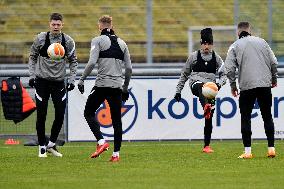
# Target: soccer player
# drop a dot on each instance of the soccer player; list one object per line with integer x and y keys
{"x": 257, "y": 74}
{"x": 110, "y": 53}
{"x": 47, "y": 76}
{"x": 201, "y": 67}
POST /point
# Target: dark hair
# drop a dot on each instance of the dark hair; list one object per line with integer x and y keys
{"x": 56, "y": 16}
{"x": 244, "y": 25}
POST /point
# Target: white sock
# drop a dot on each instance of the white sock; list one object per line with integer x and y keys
{"x": 101, "y": 141}
{"x": 271, "y": 148}
{"x": 247, "y": 150}
{"x": 50, "y": 144}
{"x": 115, "y": 154}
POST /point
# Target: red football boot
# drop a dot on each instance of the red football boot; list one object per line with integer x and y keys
{"x": 207, "y": 111}
{"x": 100, "y": 149}
{"x": 207, "y": 149}
{"x": 114, "y": 159}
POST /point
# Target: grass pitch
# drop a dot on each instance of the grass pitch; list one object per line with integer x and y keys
{"x": 143, "y": 165}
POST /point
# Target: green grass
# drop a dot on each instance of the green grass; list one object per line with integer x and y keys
{"x": 143, "y": 165}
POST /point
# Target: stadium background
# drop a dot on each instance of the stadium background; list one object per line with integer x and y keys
{"x": 20, "y": 21}
{"x": 165, "y": 164}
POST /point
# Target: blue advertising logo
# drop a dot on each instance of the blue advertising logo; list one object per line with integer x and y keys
{"x": 154, "y": 108}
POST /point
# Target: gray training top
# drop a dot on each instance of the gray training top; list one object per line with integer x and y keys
{"x": 188, "y": 74}
{"x": 109, "y": 69}
{"x": 255, "y": 61}
{"x": 54, "y": 70}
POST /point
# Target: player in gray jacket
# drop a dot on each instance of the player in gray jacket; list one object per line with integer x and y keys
{"x": 111, "y": 54}
{"x": 201, "y": 67}
{"x": 47, "y": 76}
{"x": 257, "y": 74}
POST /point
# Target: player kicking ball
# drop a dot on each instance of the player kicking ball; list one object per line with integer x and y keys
{"x": 201, "y": 67}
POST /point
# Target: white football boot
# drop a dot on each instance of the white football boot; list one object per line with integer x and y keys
{"x": 54, "y": 151}
{"x": 42, "y": 152}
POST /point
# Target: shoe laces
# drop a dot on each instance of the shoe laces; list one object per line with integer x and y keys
{"x": 54, "y": 148}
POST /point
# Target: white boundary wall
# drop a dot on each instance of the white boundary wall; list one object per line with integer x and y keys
{"x": 152, "y": 114}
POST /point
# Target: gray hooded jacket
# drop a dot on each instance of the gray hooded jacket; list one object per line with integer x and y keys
{"x": 255, "y": 62}
{"x": 54, "y": 70}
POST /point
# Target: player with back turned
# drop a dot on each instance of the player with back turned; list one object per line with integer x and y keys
{"x": 256, "y": 64}
{"x": 111, "y": 54}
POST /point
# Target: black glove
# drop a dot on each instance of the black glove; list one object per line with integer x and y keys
{"x": 234, "y": 89}
{"x": 274, "y": 82}
{"x": 219, "y": 86}
{"x": 124, "y": 96}
{"x": 32, "y": 82}
{"x": 81, "y": 88}
{"x": 177, "y": 97}
{"x": 70, "y": 86}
